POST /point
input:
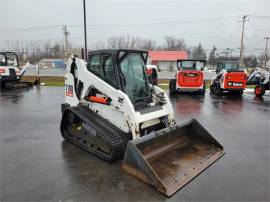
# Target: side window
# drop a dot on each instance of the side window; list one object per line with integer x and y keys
{"x": 219, "y": 67}
{"x": 94, "y": 66}
{"x": 132, "y": 66}
{"x": 3, "y": 60}
{"x": 110, "y": 75}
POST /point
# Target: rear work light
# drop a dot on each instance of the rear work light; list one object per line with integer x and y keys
{"x": 2, "y": 70}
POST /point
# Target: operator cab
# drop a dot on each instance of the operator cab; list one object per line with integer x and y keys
{"x": 9, "y": 59}
{"x": 195, "y": 65}
{"x": 124, "y": 70}
{"x": 229, "y": 66}
{"x": 9, "y": 67}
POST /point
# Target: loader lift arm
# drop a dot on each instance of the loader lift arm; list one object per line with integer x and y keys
{"x": 265, "y": 75}
{"x": 262, "y": 84}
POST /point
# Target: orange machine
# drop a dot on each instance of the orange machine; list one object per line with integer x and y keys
{"x": 189, "y": 77}
{"x": 151, "y": 71}
{"x": 230, "y": 78}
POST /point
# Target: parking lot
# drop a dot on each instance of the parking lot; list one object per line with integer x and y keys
{"x": 36, "y": 164}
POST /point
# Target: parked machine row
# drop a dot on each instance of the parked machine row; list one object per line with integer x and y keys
{"x": 230, "y": 78}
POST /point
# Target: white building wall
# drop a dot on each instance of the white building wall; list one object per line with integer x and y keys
{"x": 47, "y": 64}
{"x": 167, "y": 65}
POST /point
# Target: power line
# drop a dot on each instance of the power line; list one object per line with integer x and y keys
{"x": 31, "y": 28}
{"x": 260, "y": 16}
{"x": 123, "y": 25}
{"x": 135, "y": 24}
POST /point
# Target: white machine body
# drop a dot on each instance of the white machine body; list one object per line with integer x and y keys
{"x": 121, "y": 111}
{"x": 264, "y": 74}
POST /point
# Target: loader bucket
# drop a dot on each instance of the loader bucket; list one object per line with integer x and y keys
{"x": 170, "y": 158}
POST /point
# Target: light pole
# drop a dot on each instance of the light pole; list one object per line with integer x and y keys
{"x": 85, "y": 32}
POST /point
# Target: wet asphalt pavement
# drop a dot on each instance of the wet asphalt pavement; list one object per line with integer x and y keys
{"x": 36, "y": 164}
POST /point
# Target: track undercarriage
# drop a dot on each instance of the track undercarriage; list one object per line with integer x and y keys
{"x": 86, "y": 129}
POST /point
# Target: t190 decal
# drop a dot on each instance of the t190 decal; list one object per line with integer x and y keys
{"x": 69, "y": 90}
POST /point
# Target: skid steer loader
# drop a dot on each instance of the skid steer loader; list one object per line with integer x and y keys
{"x": 113, "y": 112}
{"x": 11, "y": 73}
{"x": 189, "y": 77}
{"x": 230, "y": 77}
{"x": 261, "y": 78}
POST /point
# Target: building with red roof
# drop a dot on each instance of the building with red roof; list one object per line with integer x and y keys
{"x": 166, "y": 60}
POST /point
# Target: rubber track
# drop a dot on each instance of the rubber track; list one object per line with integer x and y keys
{"x": 109, "y": 132}
{"x": 18, "y": 85}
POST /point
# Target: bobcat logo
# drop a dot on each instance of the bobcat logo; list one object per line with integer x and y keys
{"x": 121, "y": 100}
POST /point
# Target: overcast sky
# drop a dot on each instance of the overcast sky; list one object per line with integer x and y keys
{"x": 212, "y": 22}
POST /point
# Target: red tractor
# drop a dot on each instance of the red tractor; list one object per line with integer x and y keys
{"x": 230, "y": 78}
{"x": 189, "y": 77}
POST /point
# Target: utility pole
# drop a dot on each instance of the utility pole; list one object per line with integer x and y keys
{"x": 242, "y": 40}
{"x": 229, "y": 52}
{"x": 66, "y": 33}
{"x": 266, "y": 51}
{"x": 85, "y": 33}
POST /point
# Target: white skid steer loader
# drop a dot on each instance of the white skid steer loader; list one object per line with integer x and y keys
{"x": 112, "y": 111}
{"x": 261, "y": 78}
{"x": 11, "y": 73}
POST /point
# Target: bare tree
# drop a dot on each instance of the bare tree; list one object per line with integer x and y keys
{"x": 117, "y": 42}
{"x": 146, "y": 44}
{"x": 98, "y": 45}
{"x": 112, "y": 42}
{"x": 172, "y": 43}
{"x": 212, "y": 57}
{"x": 261, "y": 60}
{"x": 198, "y": 52}
{"x": 130, "y": 42}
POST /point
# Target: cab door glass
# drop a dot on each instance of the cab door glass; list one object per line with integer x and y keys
{"x": 110, "y": 75}
{"x": 133, "y": 70}
{"x": 94, "y": 66}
